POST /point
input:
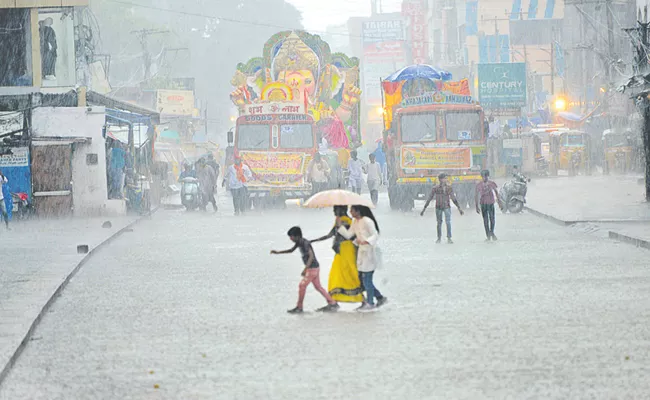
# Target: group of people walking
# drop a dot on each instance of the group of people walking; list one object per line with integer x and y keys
{"x": 207, "y": 172}
{"x": 486, "y": 196}
{"x": 357, "y": 257}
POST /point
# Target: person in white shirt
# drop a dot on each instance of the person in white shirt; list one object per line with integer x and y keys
{"x": 237, "y": 176}
{"x": 3, "y": 206}
{"x": 318, "y": 173}
{"x": 366, "y": 230}
{"x": 355, "y": 168}
{"x": 374, "y": 178}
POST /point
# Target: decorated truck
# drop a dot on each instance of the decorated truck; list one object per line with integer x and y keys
{"x": 291, "y": 101}
{"x": 432, "y": 126}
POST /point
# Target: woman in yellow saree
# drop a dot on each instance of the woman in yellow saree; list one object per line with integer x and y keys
{"x": 343, "y": 283}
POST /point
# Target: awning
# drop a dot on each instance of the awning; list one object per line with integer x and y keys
{"x": 111, "y": 103}
{"x": 58, "y": 140}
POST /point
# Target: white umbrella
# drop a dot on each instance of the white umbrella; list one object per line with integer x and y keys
{"x": 331, "y": 198}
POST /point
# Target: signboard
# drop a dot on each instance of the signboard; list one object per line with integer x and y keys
{"x": 272, "y": 108}
{"x": 502, "y": 85}
{"x": 416, "y": 13}
{"x": 175, "y": 102}
{"x": 275, "y": 168}
{"x": 436, "y": 98}
{"x": 383, "y": 52}
{"x": 436, "y": 158}
{"x": 512, "y": 156}
{"x": 15, "y": 167}
{"x": 513, "y": 143}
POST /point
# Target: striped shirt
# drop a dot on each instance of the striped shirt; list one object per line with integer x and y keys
{"x": 443, "y": 195}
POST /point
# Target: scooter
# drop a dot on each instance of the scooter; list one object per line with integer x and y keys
{"x": 22, "y": 208}
{"x": 513, "y": 194}
{"x": 190, "y": 194}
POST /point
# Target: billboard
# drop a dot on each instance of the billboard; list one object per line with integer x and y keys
{"x": 502, "y": 86}
{"x": 175, "y": 102}
{"x": 383, "y": 53}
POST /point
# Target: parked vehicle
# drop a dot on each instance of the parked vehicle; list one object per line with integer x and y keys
{"x": 618, "y": 149}
{"x": 22, "y": 208}
{"x": 513, "y": 194}
{"x": 190, "y": 194}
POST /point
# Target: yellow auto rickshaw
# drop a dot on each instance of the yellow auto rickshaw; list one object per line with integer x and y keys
{"x": 618, "y": 149}
{"x": 570, "y": 151}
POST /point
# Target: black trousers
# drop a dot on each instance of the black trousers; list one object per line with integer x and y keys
{"x": 240, "y": 199}
{"x": 488, "y": 218}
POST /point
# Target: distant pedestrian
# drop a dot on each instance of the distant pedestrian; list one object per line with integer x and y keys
{"x": 486, "y": 194}
{"x": 318, "y": 173}
{"x": 207, "y": 184}
{"x": 355, "y": 168}
{"x": 214, "y": 164}
{"x": 380, "y": 156}
{"x": 238, "y": 176}
{"x": 373, "y": 169}
{"x": 443, "y": 194}
{"x": 311, "y": 272}
{"x": 3, "y": 202}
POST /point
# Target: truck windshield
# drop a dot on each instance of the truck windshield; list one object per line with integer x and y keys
{"x": 463, "y": 126}
{"x": 296, "y": 136}
{"x": 419, "y": 128}
{"x": 253, "y": 137}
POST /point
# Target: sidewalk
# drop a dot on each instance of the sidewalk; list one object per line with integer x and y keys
{"x": 615, "y": 204}
{"x": 36, "y": 257}
{"x": 590, "y": 198}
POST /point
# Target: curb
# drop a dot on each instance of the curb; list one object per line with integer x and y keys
{"x": 630, "y": 240}
{"x": 23, "y": 343}
{"x": 612, "y": 235}
{"x": 549, "y": 217}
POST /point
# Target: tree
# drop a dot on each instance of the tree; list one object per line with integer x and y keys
{"x": 218, "y": 34}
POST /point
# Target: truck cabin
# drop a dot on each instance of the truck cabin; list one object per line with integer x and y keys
{"x": 440, "y": 124}
{"x": 275, "y": 133}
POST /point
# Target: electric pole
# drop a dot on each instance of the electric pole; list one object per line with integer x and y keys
{"x": 143, "y": 36}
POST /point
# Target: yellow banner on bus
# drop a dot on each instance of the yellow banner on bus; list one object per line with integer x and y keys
{"x": 275, "y": 168}
{"x": 436, "y": 158}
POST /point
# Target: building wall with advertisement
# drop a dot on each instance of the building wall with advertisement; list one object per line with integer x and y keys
{"x": 491, "y": 36}
{"x": 383, "y": 50}
{"x": 415, "y": 13}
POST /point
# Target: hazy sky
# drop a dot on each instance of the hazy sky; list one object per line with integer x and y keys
{"x": 318, "y": 14}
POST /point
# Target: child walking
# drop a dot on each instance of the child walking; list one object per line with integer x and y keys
{"x": 311, "y": 272}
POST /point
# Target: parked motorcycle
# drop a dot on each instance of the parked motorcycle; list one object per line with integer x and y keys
{"x": 190, "y": 194}
{"x": 22, "y": 208}
{"x": 513, "y": 194}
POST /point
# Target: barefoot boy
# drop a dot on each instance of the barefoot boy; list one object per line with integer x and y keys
{"x": 310, "y": 273}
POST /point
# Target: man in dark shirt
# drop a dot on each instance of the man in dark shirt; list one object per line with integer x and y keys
{"x": 310, "y": 273}
{"x": 443, "y": 194}
{"x": 486, "y": 194}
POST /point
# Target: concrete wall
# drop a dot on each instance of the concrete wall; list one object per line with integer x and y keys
{"x": 90, "y": 193}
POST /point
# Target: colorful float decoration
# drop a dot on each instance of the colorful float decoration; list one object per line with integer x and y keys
{"x": 299, "y": 67}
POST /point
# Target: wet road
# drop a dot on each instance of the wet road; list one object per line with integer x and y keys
{"x": 191, "y": 306}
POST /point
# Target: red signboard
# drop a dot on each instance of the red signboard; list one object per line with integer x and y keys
{"x": 415, "y": 11}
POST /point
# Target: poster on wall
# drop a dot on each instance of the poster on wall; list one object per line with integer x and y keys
{"x": 175, "y": 102}
{"x": 15, "y": 167}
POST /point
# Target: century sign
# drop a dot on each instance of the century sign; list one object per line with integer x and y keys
{"x": 502, "y": 85}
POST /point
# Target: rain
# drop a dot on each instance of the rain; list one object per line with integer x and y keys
{"x": 285, "y": 199}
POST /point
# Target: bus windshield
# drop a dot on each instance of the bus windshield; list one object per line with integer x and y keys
{"x": 463, "y": 126}
{"x": 296, "y": 136}
{"x": 253, "y": 137}
{"x": 419, "y": 128}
